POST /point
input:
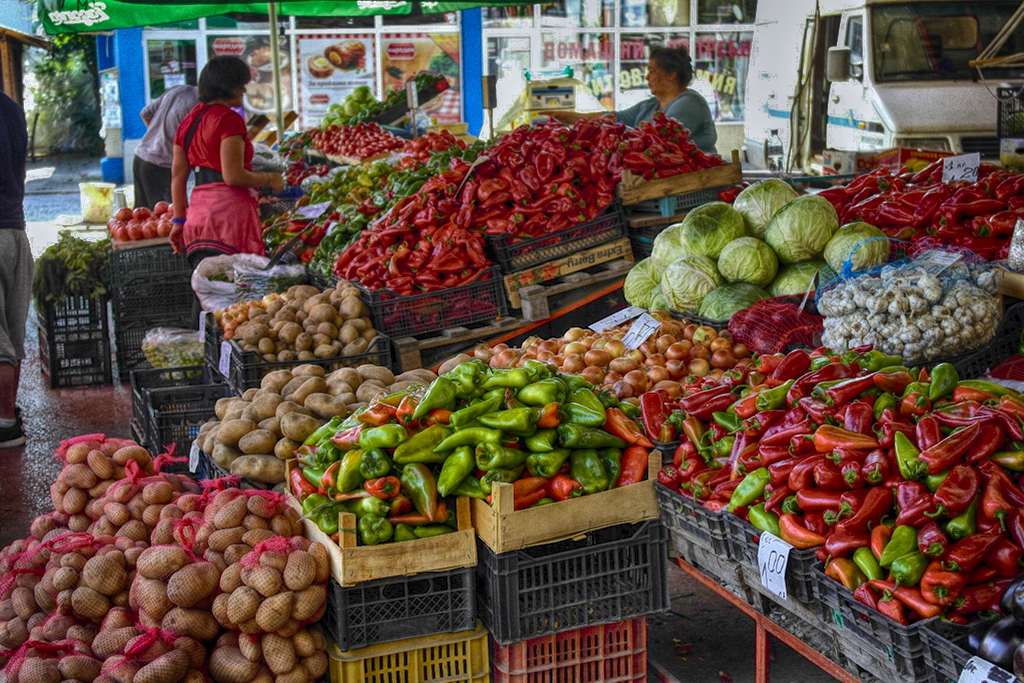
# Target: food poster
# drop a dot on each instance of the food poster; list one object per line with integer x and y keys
{"x": 255, "y": 51}
{"x": 330, "y": 67}
{"x": 405, "y": 55}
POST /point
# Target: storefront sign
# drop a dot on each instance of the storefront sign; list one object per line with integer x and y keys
{"x": 93, "y": 14}
{"x": 709, "y": 48}
{"x": 574, "y": 51}
{"x": 229, "y": 46}
{"x": 405, "y": 55}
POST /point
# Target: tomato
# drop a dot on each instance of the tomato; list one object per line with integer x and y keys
{"x": 134, "y": 232}
{"x": 163, "y": 228}
{"x": 141, "y": 213}
{"x": 149, "y": 229}
{"x": 120, "y": 234}
{"x": 160, "y": 208}
{"x": 123, "y": 214}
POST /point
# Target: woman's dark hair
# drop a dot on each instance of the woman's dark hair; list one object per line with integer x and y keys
{"x": 221, "y": 76}
{"x": 674, "y": 60}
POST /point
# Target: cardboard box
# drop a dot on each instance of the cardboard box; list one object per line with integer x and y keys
{"x": 914, "y": 159}
{"x": 1011, "y": 153}
{"x": 836, "y": 162}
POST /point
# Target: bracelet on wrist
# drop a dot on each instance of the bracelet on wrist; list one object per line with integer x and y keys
{"x": 178, "y": 221}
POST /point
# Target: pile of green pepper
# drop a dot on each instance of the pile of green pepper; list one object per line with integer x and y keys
{"x": 397, "y": 463}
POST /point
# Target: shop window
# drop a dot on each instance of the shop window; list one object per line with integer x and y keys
{"x": 720, "y": 65}
{"x": 508, "y": 59}
{"x": 420, "y": 15}
{"x": 634, "y": 54}
{"x": 171, "y": 63}
{"x": 322, "y": 23}
{"x": 590, "y": 56}
{"x": 255, "y": 51}
{"x": 578, "y": 14}
{"x": 407, "y": 54}
{"x": 508, "y": 17}
{"x": 329, "y": 67}
{"x": 726, "y": 11}
{"x": 643, "y": 13}
{"x": 255, "y": 22}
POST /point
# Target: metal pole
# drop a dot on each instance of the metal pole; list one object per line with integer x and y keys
{"x": 276, "y": 57}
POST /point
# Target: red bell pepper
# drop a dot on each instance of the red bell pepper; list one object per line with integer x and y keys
{"x": 842, "y": 542}
{"x": 859, "y": 418}
{"x": 620, "y": 425}
{"x": 932, "y": 541}
{"x": 563, "y": 487}
{"x": 795, "y": 364}
{"x": 669, "y": 477}
{"x": 978, "y": 598}
{"x": 918, "y": 512}
{"x": 876, "y": 467}
{"x": 634, "y": 466}
{"x": 941, "y": 587}
{"x": 941, "y": 456}
{"x": 814, "y": 500}
{"x": 880, "y": 536}
{"x": 876, "y": 505}
{"x": 915, "y": 404}
{"x": 866, "y": 595}
{"x": 890, "y": 607}
{"x": 928, "y": 432}
{"x": 802, "y": 474}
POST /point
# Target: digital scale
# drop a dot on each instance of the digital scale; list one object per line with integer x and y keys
{"x": 541, "y": 96}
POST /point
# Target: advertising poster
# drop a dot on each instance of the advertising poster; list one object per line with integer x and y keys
{"x": 255, "y": 51}
{"x": 330, "y": 67}
{"x": 405, "y": 55}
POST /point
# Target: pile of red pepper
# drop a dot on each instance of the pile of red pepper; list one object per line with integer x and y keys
{"x": 300, "y": 170}
{"x": 919, "y": 207}
{"x": 906, "y": 483}
{"x": 361, "y": 141}
{"x": 418, "y": 150}
{"x": 661, "y": 148}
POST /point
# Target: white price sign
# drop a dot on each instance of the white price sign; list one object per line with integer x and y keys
{"x": 617, "y": 318}
{"x": 202, "y": 325}
{"x": 312, "y": 211}
{"x": 638, "y": 333}
{"x": 225, "y": 358}
{"x": 193, "y": 457}
{"x": 978, "y": 670}
{"x": 772, "y": 558}
{"x": 963, "y": 167}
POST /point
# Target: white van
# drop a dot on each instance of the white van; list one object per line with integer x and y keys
{"x": 870, "y": 75}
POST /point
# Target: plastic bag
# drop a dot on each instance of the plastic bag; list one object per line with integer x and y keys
{"x": 252, "y": 282}
{"x": 213, "y": 282}
{"x": 170, "y": 347}
{"x": 266, "y": 160}
{"x": 772, "y": 325}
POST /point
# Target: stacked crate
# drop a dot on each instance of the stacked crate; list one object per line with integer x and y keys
{"x": 74, "y": 342}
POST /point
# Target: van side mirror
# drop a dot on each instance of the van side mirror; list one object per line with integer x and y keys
{"x": 837, "y": 65}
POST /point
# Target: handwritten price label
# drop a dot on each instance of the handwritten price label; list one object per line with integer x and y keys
{"x": 638, "y": 333}
{"x": 977, "y": 670}
{"x": 193, "y": 457}
{"x": 772, "y": 558}
{"x": 617, "y": 318}
{"x": 312, "y": 211}
{"x": 225, "y": 358}
{"x": 202, "y": 325}
{"x": 963, "y": 167}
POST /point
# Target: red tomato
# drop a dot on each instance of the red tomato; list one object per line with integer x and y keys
{"x": 134, "y": 232}
{"x": 120, "y": 234}
{"x": 123, "y": 214}
{"x": 160, "y": 208}
{"x": 141, "y": 213}
{"x": 111, "y": 224}
{"x": 163, "y": 228}
{"x": 149, "y": 230}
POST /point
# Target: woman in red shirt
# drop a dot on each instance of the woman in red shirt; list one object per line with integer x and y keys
{"x": 221, "y": 216}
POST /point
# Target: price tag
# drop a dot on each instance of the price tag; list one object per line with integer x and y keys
{"x": 225, "y": 358}
{"x": 638, "y": 333}
{"x": 193, "y": 457}
{"x": 978, "y": 670}
{"x": 202, "y": 325}
{"x": 617, "y": 318}
{"x": 963, "y": 167}
{"x": 772, "y": 558}
{"x": 312, "y": 211}
{"x": 412, "y": 95}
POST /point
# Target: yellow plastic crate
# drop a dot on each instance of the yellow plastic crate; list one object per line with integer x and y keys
{"x": 443, "y": 658}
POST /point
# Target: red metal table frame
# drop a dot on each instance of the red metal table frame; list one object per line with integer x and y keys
{"x": 763, "y": 627}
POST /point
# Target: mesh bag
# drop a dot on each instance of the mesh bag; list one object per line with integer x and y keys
{"x": 171, "y": 347}
{"x": 253, "y": 282}
{"x": 773, "y": 325}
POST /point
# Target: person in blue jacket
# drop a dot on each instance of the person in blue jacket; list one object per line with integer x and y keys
{"x": 669, "y": 74}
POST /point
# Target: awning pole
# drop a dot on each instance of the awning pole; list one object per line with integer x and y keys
{"x": 276, "y": 62}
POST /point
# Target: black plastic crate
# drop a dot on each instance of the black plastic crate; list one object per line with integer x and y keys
{"x": 945, "y": 650}
{"x": 248, "y": 367}
{"x": 146, "y": 263}
{"x": 403, "y": 607}
{"x": 900, "y": 646}
{"x": 1002, "y": 346}
{"x": 74, "y": 342}
{"x": 679, "y": 202}
{"x": 694, "y": 522}
{"x": 211, "y": 470}
{"x": 175, "y": 414}
{"x": 1010, "y": 121}
{"x": 128, "y": 336}
{"x": 422, "y": 314}
{"x": 321, "y": 281}
{"x": 213, "y": 336}
{"x": 616, "y": 573}
{"x": 650, "y": 232}
{"x": 699, "y": 320}
{"x": 642, "y": 247}
{"x": 153, "y": 299}
{"x": 161, "y": 378}
{"x": 513, "y": 254}
{"x": 743, "y": 545}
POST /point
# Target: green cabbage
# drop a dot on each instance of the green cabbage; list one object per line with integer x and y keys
{"x": 795, "y": 279}
{"x": 723, "y": 302}
{"x": 802, "y": 228}
{"x": 687, "y": 280}
{"x": 658, "y": 302}
{"x": 748, "y": 259}
{"x": 708, "y": 228}
{"x": 642, "y": 283}
{"x": 666, "y": 247}
{"x": 759, "y": 202}
{"x": 861, "y": 244}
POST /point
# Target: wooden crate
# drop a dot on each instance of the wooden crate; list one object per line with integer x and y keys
{"x": 352, "y": 564}
{"x": 138, "y": 244}
{"x": 352, "y": 161}
{"x": 610, "y": 251}
{"x": 633, "y": 190}
{"x": 408, "y": 350}
{"x": 535, "y": 299}
{"x": 504, "y": 529}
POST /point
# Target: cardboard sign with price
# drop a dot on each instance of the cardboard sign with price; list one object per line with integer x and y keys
{"x": 772, "y": 558}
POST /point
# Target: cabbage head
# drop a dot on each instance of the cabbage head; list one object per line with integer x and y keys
{"x": 723, "y": 302}
{"x": 861, "y": 244}
{"x": 759, "y": 202}
{"x": 667, "y": 247}
{"x": 658, "y": 302}
{"x": 708, "y": 228}
{"x": 642, "y": 283}
{"x": 748, "y": 259}
{"x": 802, "y": 228}
{"x": 795, "y": 279}
{"x": 687, "y": 280}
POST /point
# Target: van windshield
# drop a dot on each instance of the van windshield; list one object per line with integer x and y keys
{"x": 937, "y": 40}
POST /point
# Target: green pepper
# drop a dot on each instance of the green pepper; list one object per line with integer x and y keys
{"x": 586, "y": 397}
{"x": 579, "y": 414}
{"x": 908, "y": 458}
{"x": 867, "y": 563}
{"x": 469, "y": 487}
{"x": 585, "y": 466}
{"x": 907, "y": 570}
{"x": 542, "y": 441}
{"x": 578, "y": 436}
{"x": 873, "y": 361}
{"x": 723, "y": 447}
{"x": 360, "y": 507}
{"x": 466, "y": 377}
{"x": 440, "y": 396}
{"x": 764, "y": 520}
{"x": 326, "y": 431}
{"x": 314, "y": 475}
{"x": 431, "y": 530}
{"x": 965, "y": 524}
{"x": 457, "y": 466}
{"x": 609, "y": 400}
{"x": 934, "y": 481}
{"x": 820, "y": 362}
{"x": 536, "y": 369}
{"x": 499, "y": 475}
{"x": 461, "y": 419}
{"x": 916, "y": 387}
{"x": 419, "y": 485}
{"x": 517, "y": 422}
{"x": 944, "y": 379}
{"x": 349, "y": 477}
{"x": 902, "y": 541}
{"x": 574, "y": 382}
{"x": 422, "y": 447}
{"x": 990, "y": 387}
{"x": 404, "y": 532}
{"x": 629, "y": 410}
{"x": 490, "y": 456}
{"x": 543, "y": 501}
{"x": 547, "y": 464}
{"x": 730, "y": 422}
{"x": 750, "y": 489}
{"x": 820, "y": 389}
{"x": 516, "y": 378}
{"x": 543, "y": 392}
{"x": 385, "y": 436}
{"x": 374, "y": 530}
{"x": 886, "y": 400}
{"x": 773, "y": 399}
{"x": 375, "y": 463}
{"x": 312, "y": 502}
{"x": 469, "y": 437}
{"x": 791, "y": 506}
{"x": 611, "y": 458}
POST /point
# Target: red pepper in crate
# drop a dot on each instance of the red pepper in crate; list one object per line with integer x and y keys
{"x": 941, "y": 456}
{"x": 932, "y": 541}
{"x": 928, "y": 432}
{"x": 966, "y": 554}
{"x": 957, "y": 491}
{"x": 653, "y": 413}
{"x": 1005, "y": 557}
{"x": 842, "y": 542}
{"x": 940, "y": 586}
{"x": 979, "y": 598}
{"x": 798, "y": 535}
{"x": 876, "y": 504}
{"x": 828, "y": 438}
{"x": 876, "y": 467}
{"x": 860, "y": 418}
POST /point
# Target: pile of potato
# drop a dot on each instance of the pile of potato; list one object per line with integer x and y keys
{"x": 303, "y": 324}
{"x": 91, "y": 468}
{"x": 269, "y": 658}
{"x": 235, "y": 523}
{"x": 136, "y": 508}
{"x": 174, "y": 591}
{"x": 252, "y": 436}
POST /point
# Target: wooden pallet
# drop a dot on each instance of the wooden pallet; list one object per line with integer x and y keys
{"x": 407, "y": 349}
{"x": 653, "y": 220}
{"x": 544, "y": 272}
{"x": 535, "y": 299}
{"x": 138, "y": 244}
{"x": 633, "y": 189}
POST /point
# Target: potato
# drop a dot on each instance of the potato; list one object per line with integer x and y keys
{"x": 263, "y": 407}
{"x": 320, "y": 340}
{"x": 312, "y": 385}
{"x": 210, "y": 442}
{"x": 348, "y": 399}
{"x": 252, "y": 332}
{"x": 225, "y": 455}
{"x": 297, "y": 426}
{"x": 233, "y": 415}
{"x": 421, "y": 375}
{"x": 377, "y": 372}
{"x": 249, "y": 395}
{"x": 312, "y": 302}
{"x": 289, "y": 332}
{"x": 361, "y": 324}
{"x": 348, "y": 333}
{"x": 274, "y": 306}
{"x": 265, "y": 469}
{"x": 402, "y": 386}
{"x": 328, "y": 330}
{"x": 285, "y": 448}
{"x": 294, "y": 384}
{"x": 325, "y": 406}
{"x": 290, "y": 407}
{"x": 301, "y": 292}
{"x": 326, "y": 351}
{"x": 306, "y": 356}
{"x": 304, "y": 342}
{"x": 323, "y": 313}
{"x": 367, "y": 392}
{"x": 355, "y": 348}
{"x": 308, "y": 370}
{"x": 275, "y": 381}
{"x": 347, "y": 375}
{"x": 233, "y": 430}
{"x": 287, "y": 356}
{"x": 224, "y": 405}
{"x": 266, "y": 347}
{"x": 350, "y": 308}
{"x": 257, "y": 441}
{"x": 273, "y": 425}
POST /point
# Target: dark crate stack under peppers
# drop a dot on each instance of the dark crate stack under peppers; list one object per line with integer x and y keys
{"x": 398, "y": 464}
{"x": 919, "y": 207}
{"x": 906, "y": 482}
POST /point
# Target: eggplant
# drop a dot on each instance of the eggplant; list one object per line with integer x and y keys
{"x": 1010, "y": 597}
{"x": 1001, "y": 642}
{"x": 976, "y": 634}
{"x": 1018, "y": 661}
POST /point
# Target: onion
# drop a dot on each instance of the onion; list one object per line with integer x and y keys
{"x": 544, "y": 355}
{"x": 594, "y": 375}
{"x": 647, "y": 348}
{"x": 723, "y": 358}
{"x": 725, "y": 334}
{"x": 548, "y": 345}
{"x": 699, "y": 367}
{"x": 657, "y": 373}
{"x": 742, "y": 362}
{"x": 677, "y": 351}
{"x": 612, "y": 377}
{"x": 656, "y": 359}
{"x": 676, "y": 368}
{"x": 599, "y": 343}
{"x": 669, "y": 387}
{"x": 558, "y": 359}
{"x": 574, "y": 349}
{"x": 587, "y": 342}
{"x": 597, "y": 357}
{"x": 741, "y": 350}
{"x": 529, "y": 355}
{"x": 573, "y": 364}
{"x": 637, "y": 355}
{"x": 699, "y": 352}
{"x": 663, "y": 342}
{"x": 483, "y": 352}
{"x": 622, "y": 389}
{"x": 639, "y": 380}
{"x": 623, "y": 365}
{"x": 505, "y": 359}
{"x": 574, "y": 333}
{"x": 720, "y": 343}
{"x": 615, "y": 348}
{"x": 716, "y": 373}
{"x": 689, "y": 330}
